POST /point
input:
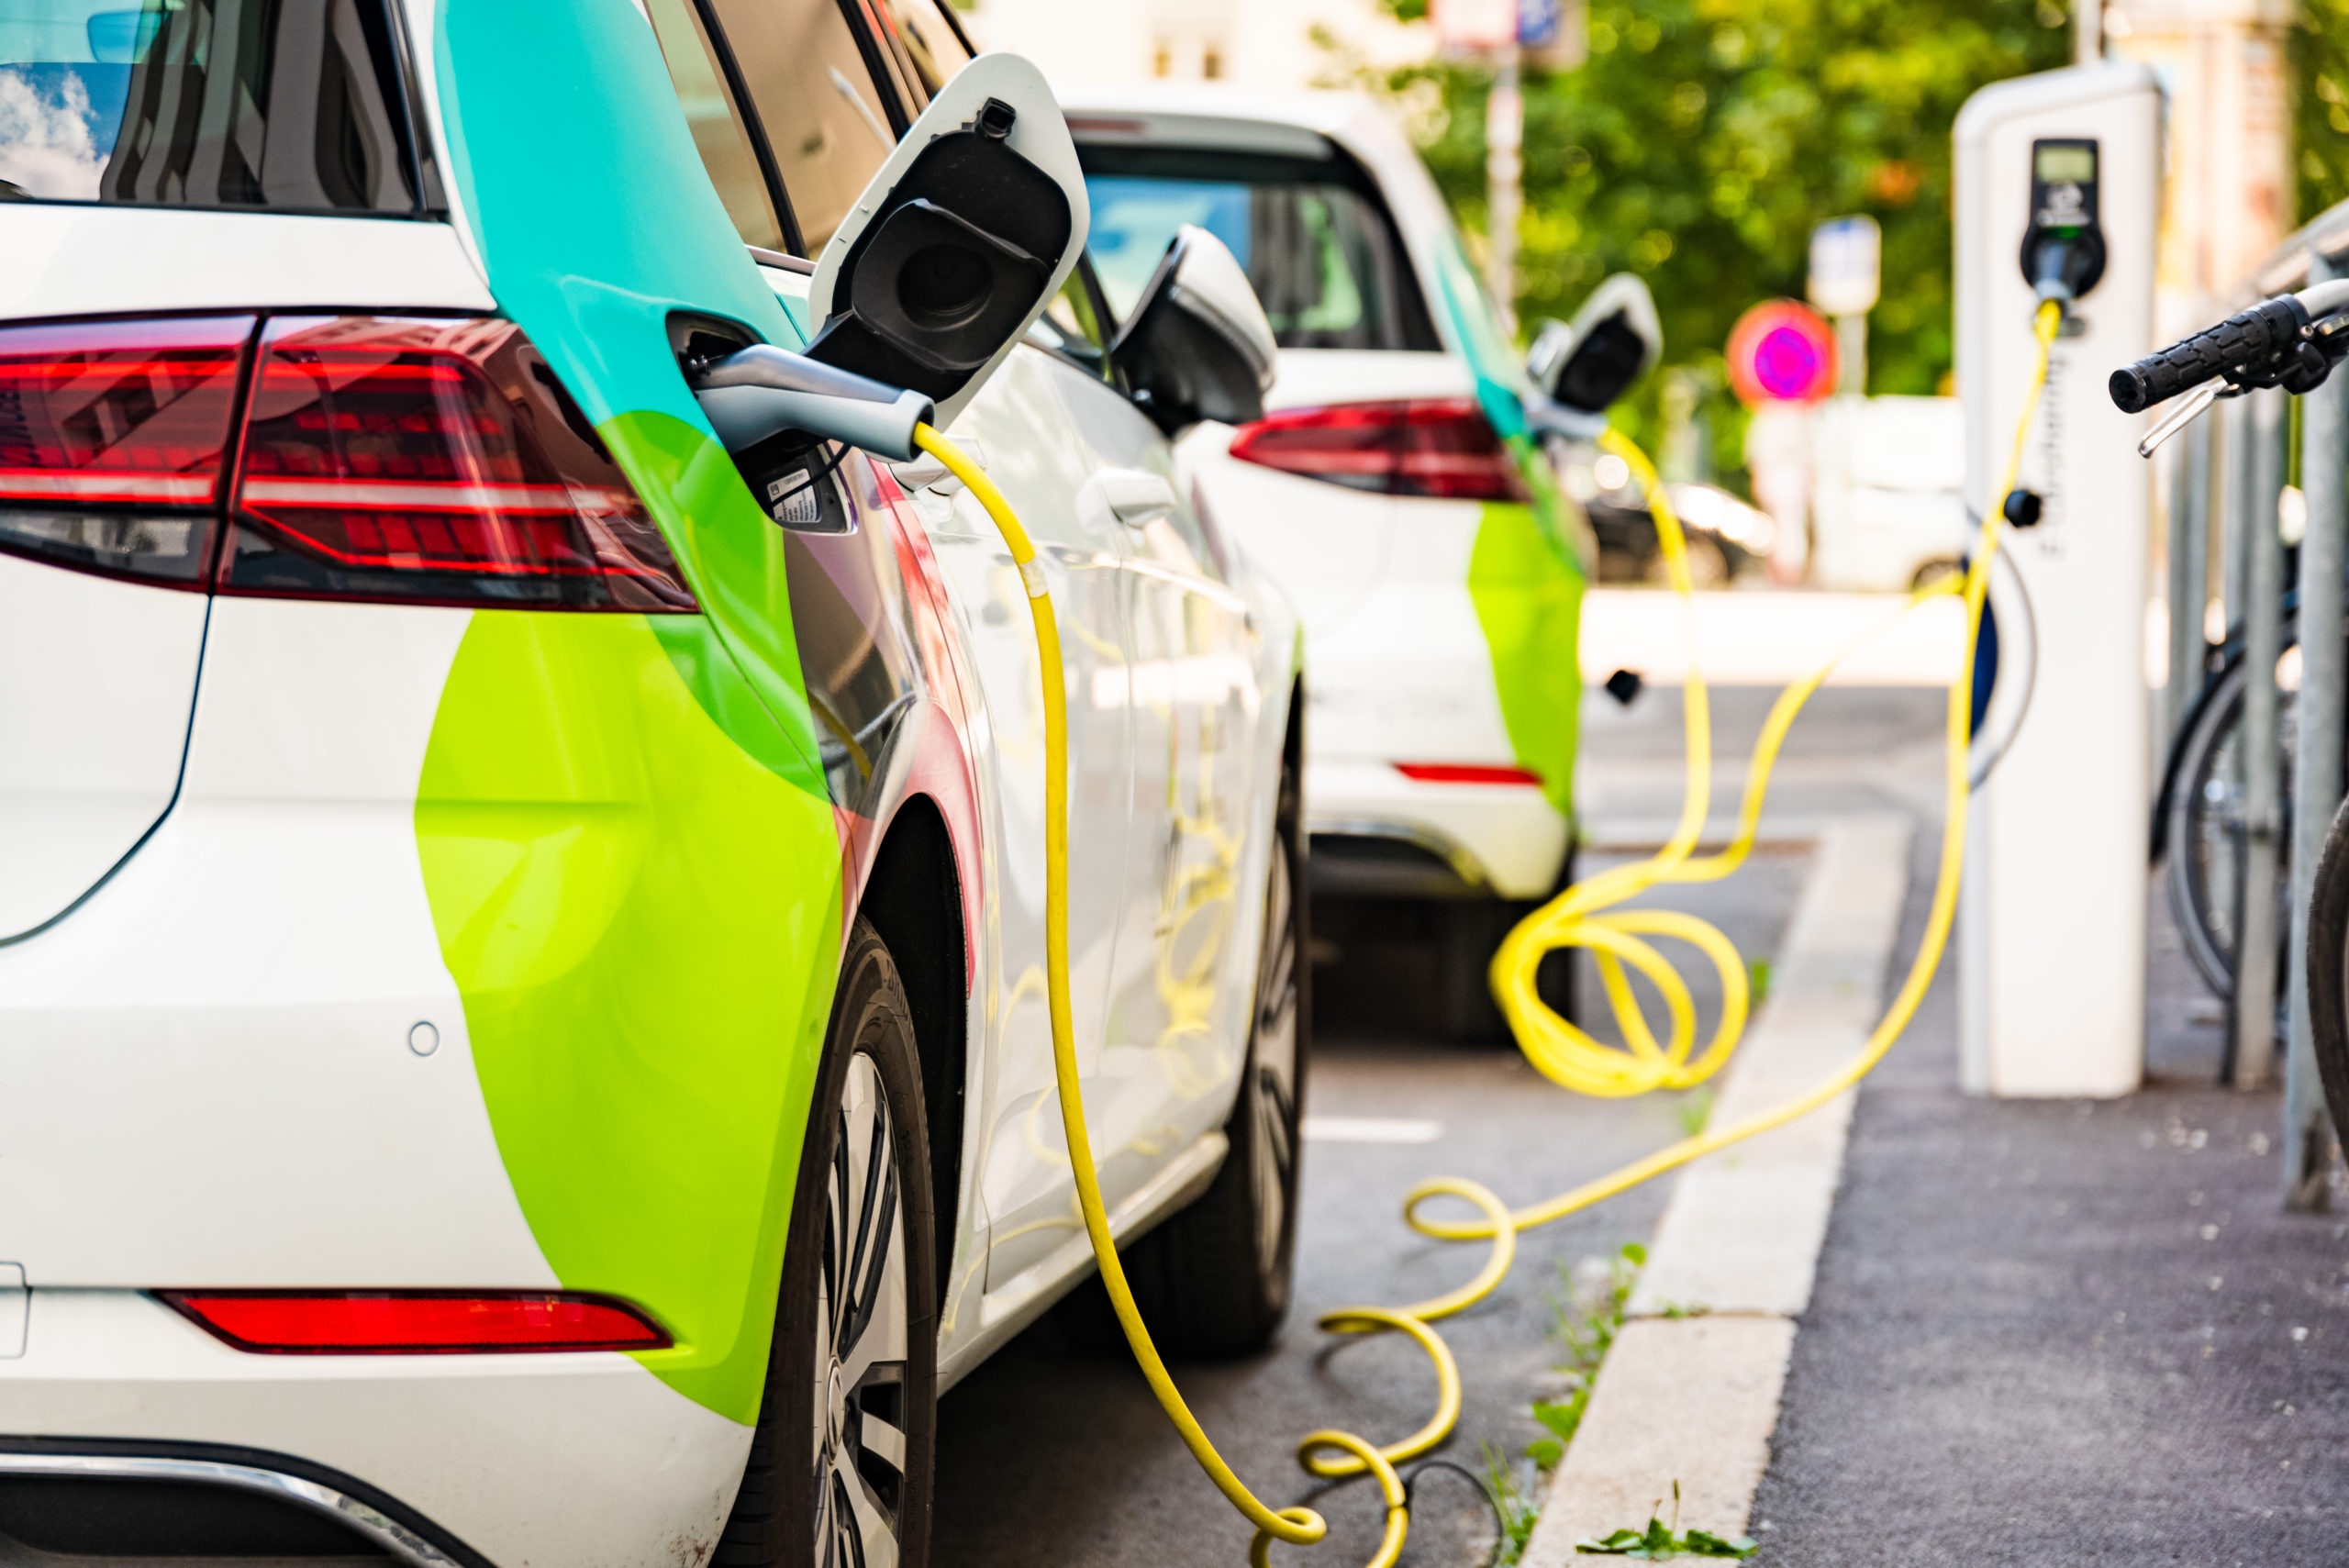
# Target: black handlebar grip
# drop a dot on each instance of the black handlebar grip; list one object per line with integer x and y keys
{"x": 2265, "y": 331}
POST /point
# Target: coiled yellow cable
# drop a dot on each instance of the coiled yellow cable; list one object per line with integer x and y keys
{"x": 1567, "y": 1054}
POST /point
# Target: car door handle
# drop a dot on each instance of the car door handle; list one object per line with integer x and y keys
{"x": 1137, "y": 498}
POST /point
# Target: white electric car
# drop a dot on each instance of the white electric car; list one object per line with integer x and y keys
{"x": 1396, "y": 487}
{"x": 522, "y": 1021}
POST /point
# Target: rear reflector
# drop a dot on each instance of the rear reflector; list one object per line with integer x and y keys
{"x": 434, "y": 459}
{"x": 113, "y": 435}
{"x": 376, "y": 1323}
{"x": 1434, "y": 447}
{"x": 1466, "y": 773}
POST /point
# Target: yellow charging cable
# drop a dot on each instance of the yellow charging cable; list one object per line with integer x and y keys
{"x": 1565, "y": 1054}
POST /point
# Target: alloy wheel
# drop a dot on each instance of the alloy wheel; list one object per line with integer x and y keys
{"x": 863, "y": 1317}
{"x": 1271, "y": 1085}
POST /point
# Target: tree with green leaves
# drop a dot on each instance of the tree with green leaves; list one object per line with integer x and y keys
{"x": 2319, "y": 51}
{"x": 1702, "y": 139}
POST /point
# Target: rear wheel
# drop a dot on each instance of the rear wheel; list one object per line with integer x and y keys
{"x": 1214, "y": 1279}
{"x": 1467, "y": 932}
{"x": 839, "y": 1473}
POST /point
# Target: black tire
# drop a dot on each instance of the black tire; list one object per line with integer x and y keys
{"x": 2206, "y": 831}
{"x": 2328, "y": 952}
{"x": 820, "y": 1453}
{"x": 1214, "y": 1280}
{"x": 1467, "y": 932}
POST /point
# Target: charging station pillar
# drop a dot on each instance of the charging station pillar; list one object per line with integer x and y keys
{"x": 2051, "y": 921}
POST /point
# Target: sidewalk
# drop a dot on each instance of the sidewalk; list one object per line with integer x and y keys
{"x": 2040, "y": 1333}
{"x": 2065, "y": 1332}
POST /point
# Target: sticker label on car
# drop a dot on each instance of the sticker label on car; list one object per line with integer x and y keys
{"x": 792, "y": 501}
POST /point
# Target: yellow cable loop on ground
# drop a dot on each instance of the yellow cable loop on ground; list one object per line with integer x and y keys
{"x": 1567, "y": 1054}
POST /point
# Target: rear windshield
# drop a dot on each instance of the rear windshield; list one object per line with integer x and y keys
{"x": 291, "y": 104}
{"x": 1316, "y": 243}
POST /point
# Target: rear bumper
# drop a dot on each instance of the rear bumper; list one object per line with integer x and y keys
{"x": 1499, "y": 841}
{"x": 179, "y": 1489}
{"x": 560, "y": 1461}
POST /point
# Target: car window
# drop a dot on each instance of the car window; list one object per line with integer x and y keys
{"x": 293, "y": 105}
{"x": 1320, "y": 252}
{"x": 719, "y": 134}
{"x": 826, "y": 123}
{"x": 1073, "y": 324}
{"x": 925, "y": 36}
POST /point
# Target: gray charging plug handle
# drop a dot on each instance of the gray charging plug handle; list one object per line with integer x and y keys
{"x": 762, "y": 391}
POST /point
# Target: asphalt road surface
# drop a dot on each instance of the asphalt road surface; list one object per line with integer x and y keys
{"x": 1054, "y": 1452}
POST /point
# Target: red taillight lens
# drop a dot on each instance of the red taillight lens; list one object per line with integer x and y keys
{"x": 379, "y": 1323}
{"x": 1466, "y": 773}
{"x": 438, "y": 460}
{"x": 1432, "y": 447}
{"x": 113, "y": 435}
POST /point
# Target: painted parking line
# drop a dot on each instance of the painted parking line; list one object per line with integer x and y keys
{"x": 1693, "y": 1399}
{"x": 1370, "y": 1129}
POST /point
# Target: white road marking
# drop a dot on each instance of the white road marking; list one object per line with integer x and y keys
{"x": 1370, "y": 1129}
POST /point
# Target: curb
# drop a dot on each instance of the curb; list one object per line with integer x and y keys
{"x": 1695, "y": 1399}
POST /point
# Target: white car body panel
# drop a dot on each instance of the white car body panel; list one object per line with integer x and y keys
{"x": 74, "y": 260}
{"x": 240, "y": 998}
{"x": 94, "y": 743}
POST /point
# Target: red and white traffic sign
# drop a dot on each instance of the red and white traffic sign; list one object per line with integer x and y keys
{"x": 1781, "y": 352}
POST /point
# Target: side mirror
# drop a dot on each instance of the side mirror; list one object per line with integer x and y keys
{"x": 1588, "y": 362}
{"x": 959, "y": 242}
{"x": 1198, "y": 346}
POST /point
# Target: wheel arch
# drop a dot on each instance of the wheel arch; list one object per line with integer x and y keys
{"x": 913, "y": 896}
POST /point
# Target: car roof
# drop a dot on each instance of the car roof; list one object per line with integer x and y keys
{"x": 1220, "y": 115}
{"x": 1208, "y": 114}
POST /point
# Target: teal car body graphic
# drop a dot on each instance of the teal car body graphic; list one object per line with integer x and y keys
{"x": 633, "y": 862}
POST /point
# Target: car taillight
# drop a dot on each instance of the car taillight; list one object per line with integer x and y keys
{"x": 1433, "y": 447}
{"x": 113, "y": 436}
{"x": 418, "y": 460}
{"x": 365, "y": 1323}
{"x": 1466, "y": 773}
{"x": 438, "y": 460}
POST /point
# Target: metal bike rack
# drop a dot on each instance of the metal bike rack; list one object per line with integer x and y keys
{"x": 2316, "y": 779}
{"x": 2189, "y": 570}
{"x": 2317, "y": 252}
{"x": 2258, "y": 469}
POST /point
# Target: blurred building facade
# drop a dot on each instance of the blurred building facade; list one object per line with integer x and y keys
{"x": 2227, "y": 195}
{"x": 1266, "y": 45}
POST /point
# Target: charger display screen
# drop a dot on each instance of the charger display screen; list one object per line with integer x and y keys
{"x": 2064, "y": 162}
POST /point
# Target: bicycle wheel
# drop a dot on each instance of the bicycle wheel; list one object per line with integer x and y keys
{"x": 2328, "y": 960}
{"x": 2209, "y": 824}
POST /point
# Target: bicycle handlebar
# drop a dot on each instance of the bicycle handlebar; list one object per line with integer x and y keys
{"x": 2246, "y": 342}
{"x": 2286, "y": 342}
